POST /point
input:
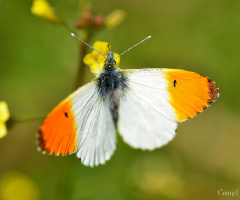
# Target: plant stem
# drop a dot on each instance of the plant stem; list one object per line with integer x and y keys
{"x": 81, "y": 66}
{"x": 82, "y": 53}
{"x": 21, "y": 119}
{"x": 28, "y": 118}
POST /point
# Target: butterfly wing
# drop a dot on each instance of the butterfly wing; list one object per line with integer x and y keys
{"x": 189, "y": 93}
{"x": 156, "y": 99}
{"x": 82, "y": 123}
{"x": 96, "y": 131}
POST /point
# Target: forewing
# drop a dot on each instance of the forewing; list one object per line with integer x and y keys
{"x": 82, "y": 123}
{"x": 156, "y": 99}
{"x": 146, "y": 119}
{"x": 189, "y": 93}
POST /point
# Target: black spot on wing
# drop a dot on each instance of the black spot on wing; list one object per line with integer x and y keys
{"x": 66, "y": 114}
{"x": 174, "y": 83}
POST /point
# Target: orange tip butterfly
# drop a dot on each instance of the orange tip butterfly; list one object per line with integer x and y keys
{"x": 143, "y": 104}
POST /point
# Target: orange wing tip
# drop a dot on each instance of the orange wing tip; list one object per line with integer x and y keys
{"x": 213, "y": 94}
{"x": 190, "y": 93}
{"x": 41, "y": 146}
{"x": 57, "y": 134}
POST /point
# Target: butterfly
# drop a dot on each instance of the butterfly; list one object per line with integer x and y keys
{"x": 145, "y": 106}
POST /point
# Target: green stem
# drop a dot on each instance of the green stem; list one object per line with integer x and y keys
{"x": 14, "y": 120}
{"x": 81, "y": 66}
{"x": 27, "y": 118}
{"x": 82, "y": 53}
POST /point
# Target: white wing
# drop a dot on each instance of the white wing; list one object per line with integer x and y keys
{"x": 146, "y": 119}
{"x": 95, "y": 127}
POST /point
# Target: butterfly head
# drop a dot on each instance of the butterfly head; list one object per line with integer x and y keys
{"x": 110, "y": 61}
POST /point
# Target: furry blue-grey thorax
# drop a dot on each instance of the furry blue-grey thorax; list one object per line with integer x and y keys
{"x": 111, "y": 84}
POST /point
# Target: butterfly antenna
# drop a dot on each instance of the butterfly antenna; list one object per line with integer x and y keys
{"x": 148, "y": 37}
{"x": 72, "y": 34}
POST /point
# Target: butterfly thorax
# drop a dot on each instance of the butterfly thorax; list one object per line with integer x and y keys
{"x": 111, "y": 84}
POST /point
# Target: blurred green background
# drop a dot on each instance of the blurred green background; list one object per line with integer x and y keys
{"x": 38, "y": 67}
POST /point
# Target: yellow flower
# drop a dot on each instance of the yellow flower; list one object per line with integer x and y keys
{"x": 114, "y": 18}
{"x": 95, "y": 60}
{"x": 4, "y": 116}
{"x": 42, "y": 9}
{"x": 15, "y": 185}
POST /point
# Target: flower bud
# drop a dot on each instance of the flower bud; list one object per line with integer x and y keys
{"x": 98, "y": 21}
{"x": 115, "y": 18}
